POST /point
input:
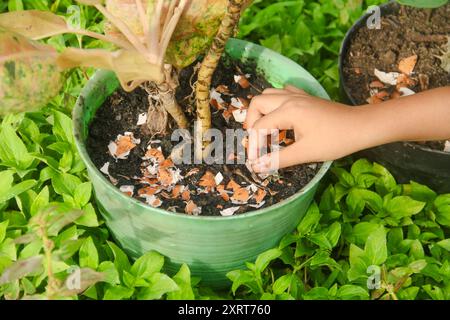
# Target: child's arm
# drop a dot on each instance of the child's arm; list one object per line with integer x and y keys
{"x": 327, "y": 130}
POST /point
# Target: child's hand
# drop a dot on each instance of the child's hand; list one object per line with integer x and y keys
{"x": 326, "y": 130}
{"x": 323, "y": 129}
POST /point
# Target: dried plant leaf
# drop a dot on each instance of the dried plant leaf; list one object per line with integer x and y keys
{"x": 193, "y": 35}
{"x": 22, "y": 61}
{"x": 129, "y": 65}
{"x": 79, "y": 281}
{"x": 20, "y": 269}
{"x": 34, "y": 24}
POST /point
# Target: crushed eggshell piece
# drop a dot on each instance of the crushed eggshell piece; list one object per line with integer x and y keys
{"x": 229, "y": 211}
{"x": 217, "y": 100}
{"x": 240, "y": 115}
{"x": 177, "y": 191}
{"x": 153, "y": 201}
{"x": 260, "y": 195}
{"x": 192, "y": 208}
{"x": 237, "y": 103}
{"x": 192, "y": 172}
{"x": 147, "y": 191}
{"x": 165, "y": 177}
{"x": 406, "y": 92}
{"x": 232, "y": 185}
{"x": 240, "y": 196}
{"x": 388, "y": 78}
{"x": 257, "y": 206}
{"x": 105, "y": 169}
{"x": 242, "y": 81}
{"x": 218, "y": 178}
{"x": 208, "y": 180}
{"x": 121, "y": 148}
{"x": 155, "y": 154}
{"x": 407, "y": 65}
{"x": 186, "y": 195}
{"x": 142, "y": 119}
{"x": 447, "y": 146}
{"x": 223, "y": 193}
{"x": 128, "y": 190}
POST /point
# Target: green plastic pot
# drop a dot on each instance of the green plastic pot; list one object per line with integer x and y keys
{"x": 211, "y": 246}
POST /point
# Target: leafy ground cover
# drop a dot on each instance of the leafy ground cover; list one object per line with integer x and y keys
{"x": 364, "y": 230}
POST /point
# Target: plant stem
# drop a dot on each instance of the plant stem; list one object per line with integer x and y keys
{"x": 167, "y": 95}
{"x": 211, "y": 61}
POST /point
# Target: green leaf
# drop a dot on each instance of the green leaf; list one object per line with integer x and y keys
{"x": 3, "y": 227}
{"x": 82, "y": 194}
{"x": 403, "y": 206}
{"x": 118, "y": 293}
{"x": 376, "y": 248}
{"x": 282, "y": 284}
{"x": 408, "y": 293}
{"x": 160, "y": 284}
{"x": 309, "y": 221}
{"x": 12, "y": 149}
{"x": 110, "y": 272}
{"x": 120, "y": 258}
{"x": 88, "y": 218}
{"x": 6, "y": 181}
{"x": 242, "y": 278}
{"x": 352, "y": 292}
{"x": 88, "y": 254}
{"x": 362, "y": 230}
{"x": 444, "y": 244}
{"x": 344, "y": 177}
{"x": 183, "y": 280}
{"x": 386, "y": 182}
{"x": 422, "y": 193}
{"x": 423, "y": 3}
{"x": 434, "y": 292}
{"x": 265, "y": 258}
{"x": 333, "y": 233}
{"x": 147, "y": 265}
{"x": 417, "y": 250}
{"x": 65, "y": 183}
{"x": 442, "y": 204}
{"x": 15, "y": 5}
{"x": 62, "y": 127}
{"x": 40, "y": 202}
{"x": 361, "y": 166}
{"x": 17, "y": 190}
{"x": 318, "y": 293}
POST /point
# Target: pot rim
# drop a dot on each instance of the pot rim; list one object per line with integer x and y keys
{"x": 77, "y": 119}
{"x": 344, "y": 49}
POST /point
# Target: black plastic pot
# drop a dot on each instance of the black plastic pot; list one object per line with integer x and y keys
{"x": 407, "y": 161}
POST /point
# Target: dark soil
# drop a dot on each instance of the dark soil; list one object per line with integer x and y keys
{"x": 408, "y": 32}
{"x": 119, "y": 114}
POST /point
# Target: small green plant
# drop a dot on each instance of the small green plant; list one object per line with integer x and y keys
{"x": 428, "y": 4}
{"x": 367, "y": 238}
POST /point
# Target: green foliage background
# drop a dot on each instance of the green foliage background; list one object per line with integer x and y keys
{"x": 50, "y": 229}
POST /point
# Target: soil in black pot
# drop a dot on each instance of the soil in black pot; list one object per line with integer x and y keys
{"x": 147, "y": 172}
{"x": 409, "y": 43}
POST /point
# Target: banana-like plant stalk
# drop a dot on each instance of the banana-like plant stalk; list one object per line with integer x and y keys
{"x": 211, "y": 62}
